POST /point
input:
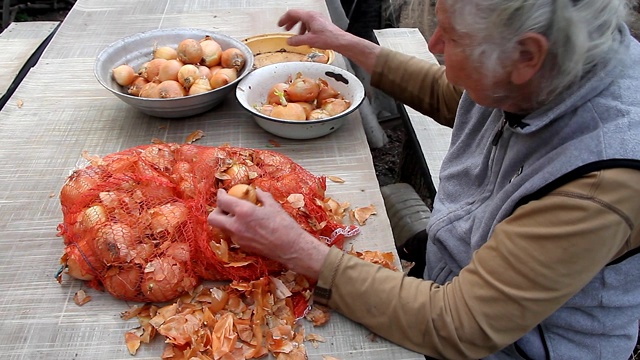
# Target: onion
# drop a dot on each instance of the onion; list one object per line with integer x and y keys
{"x": 302, "y": 89}
{"x": 219, "y": 80}
{"x": 291, "y": 111}
{"x": 326, "y": 91}
{"x": 189, "y": 51}
{"x": 232, "y": 58}
{"x": 138, "y": 83}
{"x": 307, "y": 107}
{"x": 124, "y": 75}
{"x": 150, "y": 90}
{"x": 187, "y": 75}
{"x": 265, "y": 109}
{"x": 244, "y": 192}
{"x": 211, "y": 52}
{"x": 152, "y": 70}
{"x": 200, "y": 86}
{"x": 169, "y": 70}
{"x": 214, "y": 69}
{"x": 205, "y": 72}
{"x": 165, "y": 52}
{"x": 318, "y": 114}
{"x": 273, "y": 97}
{"x": 171, "y": 89}
{"x": 335, "y": 106}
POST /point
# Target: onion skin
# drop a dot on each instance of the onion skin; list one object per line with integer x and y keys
{"x": 232, "y": 58}
{"x": 189, "y": 51}
{"x": 124, "y": 75}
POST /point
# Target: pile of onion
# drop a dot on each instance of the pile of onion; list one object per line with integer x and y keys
{"x": 303, "y": 98}
{"x": 194, "y": 67}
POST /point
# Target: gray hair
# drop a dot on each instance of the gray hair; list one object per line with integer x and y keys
{"x": 581, "y": 34}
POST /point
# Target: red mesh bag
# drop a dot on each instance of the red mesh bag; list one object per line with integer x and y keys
{"x": 135, "y": 222}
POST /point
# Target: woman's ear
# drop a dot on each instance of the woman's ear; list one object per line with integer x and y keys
{"x": 532, "y": 51}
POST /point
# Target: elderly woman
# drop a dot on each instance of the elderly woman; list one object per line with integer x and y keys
{"x": 533, "y": 242}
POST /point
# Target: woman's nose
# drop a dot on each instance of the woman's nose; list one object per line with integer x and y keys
{"x": 436, "y": 44}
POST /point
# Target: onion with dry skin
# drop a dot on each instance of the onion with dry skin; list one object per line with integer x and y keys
{"x": 136, "y": 86}
{"x": 200, "y": 86}
{"x": 244, "y": 192}
{"x": 124, "y": 75}
{"x": 211, "y": 52}
{"x": 150, "y": 91}
{"x": 187, "y": 75}
{"x": 335, "y": 106}
{"x": 152, "y": 70}
{"x": 232, "y": 58}
{"x": 169, "y": 70}
{"x": 291, "y": 111}
{"x": 171, "y": 89}
{"x": 273, "y": 96}
{"x": 189, "y": 51}
{"x": 223, "y": 77}
{"x": 165, "y": 52}
{"x": 302, "y": 89}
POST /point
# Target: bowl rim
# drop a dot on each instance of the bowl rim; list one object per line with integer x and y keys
{"x": 248, "y": 62}
{"x": 330, "y": 53}
{"x": 354, "y": 106}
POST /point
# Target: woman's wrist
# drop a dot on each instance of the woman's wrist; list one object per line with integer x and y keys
{"x": 306, "y": 257}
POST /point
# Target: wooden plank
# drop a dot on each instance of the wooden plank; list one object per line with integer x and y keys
{"x": 18, "y": 42}
{"x": 432, "y": 137}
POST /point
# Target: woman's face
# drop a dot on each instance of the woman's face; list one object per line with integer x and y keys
{"x": 460, "y": 69}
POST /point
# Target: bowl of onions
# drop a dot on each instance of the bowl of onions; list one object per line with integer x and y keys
{"x": 173, "y": 73}
{"x": 300, "y": 100}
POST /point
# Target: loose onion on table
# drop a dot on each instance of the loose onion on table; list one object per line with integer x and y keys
{"x": 191, "y": 60}
{"x": 302, "y": 98}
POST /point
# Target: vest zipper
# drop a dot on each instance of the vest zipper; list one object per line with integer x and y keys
{"x": 498, "y": 135}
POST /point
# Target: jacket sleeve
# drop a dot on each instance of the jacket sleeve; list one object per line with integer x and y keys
{"x": 535, "y": 261}
{"x": 417, "y": 83}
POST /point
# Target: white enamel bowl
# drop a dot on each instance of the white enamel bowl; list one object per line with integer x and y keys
{"x": 137, "y": 49}
{"x": 252, "y": 91}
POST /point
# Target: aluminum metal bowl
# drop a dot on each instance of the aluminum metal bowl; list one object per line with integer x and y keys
{"x": 137, "y": 49}
{"x": 252, "y": 91}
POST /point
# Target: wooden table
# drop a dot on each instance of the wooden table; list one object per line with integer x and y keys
{"x": 60, "y": 109}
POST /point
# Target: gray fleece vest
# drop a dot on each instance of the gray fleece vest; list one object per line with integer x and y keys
{"x": 483, "y": 181}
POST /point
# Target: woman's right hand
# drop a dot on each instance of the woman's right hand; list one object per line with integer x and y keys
{"x": 318, "y": 31}
{"x": 315, "y": 29}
